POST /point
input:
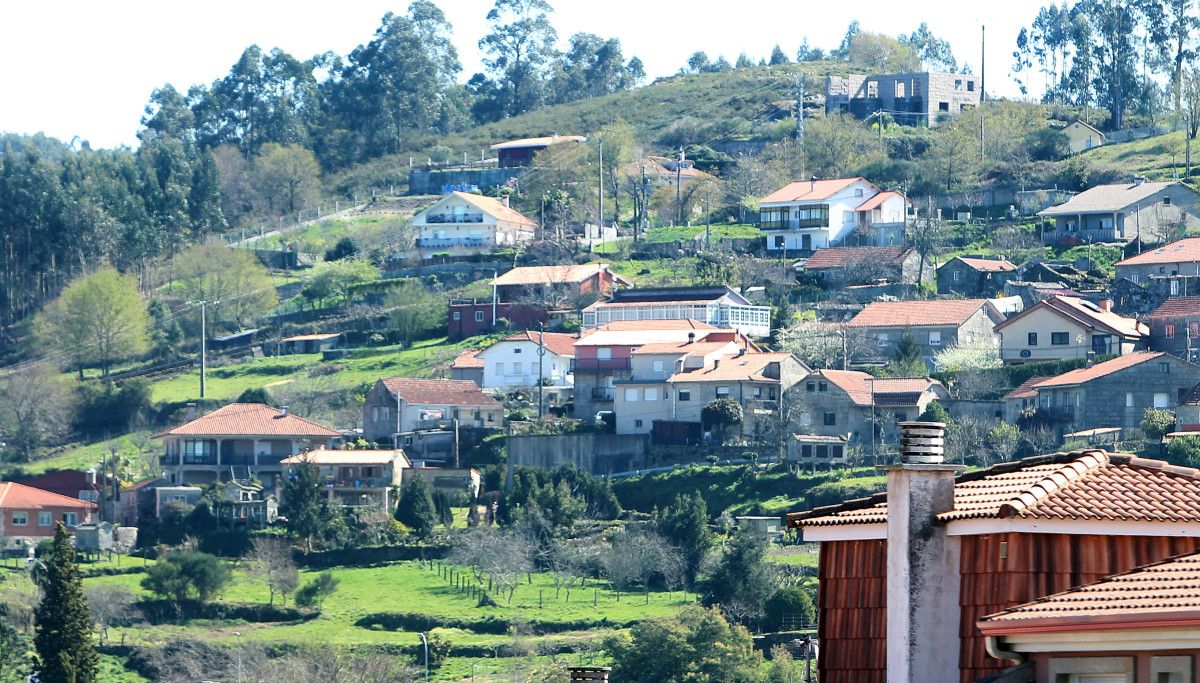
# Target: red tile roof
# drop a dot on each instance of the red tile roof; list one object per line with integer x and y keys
{"x": 1098, "y": 370}
{"x": 14, "y": 496}
{"x": 1026, "y": 388}
{"x": 449, "y": 392}
{"x": 1087, "y": 485}
{"x": 917, "y": 313}
{"x": 1177, "y": 306}
{"x": 250, "y": 419}
{"x": 749, "y": 367}
{"x": 987, "y": 265}
{"x": 1185, "y": 250}
{"x": 1165, "y": 591}
{"x": 560, "y": 343}
{"x": 876, "y": 201}
{"x": 1084, "y": 313}
{"x": 840, "y": 257}
{"x": 549, "y": 275}
{"x": 467, "y": 359}
{"x": 809, "y": 190}
{"x": 861, "y": 387}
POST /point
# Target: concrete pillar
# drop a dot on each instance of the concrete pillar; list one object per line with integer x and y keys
{"x": 923, "y": 562}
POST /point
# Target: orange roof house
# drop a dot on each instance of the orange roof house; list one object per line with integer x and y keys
{"x": 930, "y": 325}
{"x": 817, "y": 213}
{"x": 28, "y": 515}
{"x": 401, "y": 405}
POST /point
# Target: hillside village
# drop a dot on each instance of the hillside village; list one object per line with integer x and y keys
{"x": 834, "y": 367}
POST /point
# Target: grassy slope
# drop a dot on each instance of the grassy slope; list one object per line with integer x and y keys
{"x": 1158, "y": 157}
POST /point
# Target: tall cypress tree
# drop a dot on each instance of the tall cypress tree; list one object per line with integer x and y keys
{"x": 415, "y": 509}
{"x": 63, "y": 636}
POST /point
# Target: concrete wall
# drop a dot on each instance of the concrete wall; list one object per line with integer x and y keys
{"x": 432, "y": 182}
{"x": 596, "y": 453}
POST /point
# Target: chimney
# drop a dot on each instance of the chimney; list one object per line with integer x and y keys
{"x": 1139, "y": 179}
{"x": 283, "y": 411}
{"x": 191, "y": 411}
{"x": 691, "y": 337}
{"x": 589, "y": 674}
{"x": 716, "y": 363}
{"x": 1091, "y": 359}
{"x": 504, "y": 200}
{"x": 1105, "y": 305}
{"x": 922, "y": 561}
{"x": 812, "y": 183}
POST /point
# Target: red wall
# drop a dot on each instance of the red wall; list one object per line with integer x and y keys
{"x": 520, "y": 316}
{"x": 852, "y": 615}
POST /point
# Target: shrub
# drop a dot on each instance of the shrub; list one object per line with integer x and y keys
{"x": 314, "y": 592}
{"x": 182, "y": 575}
{"x": 788, "y": 607}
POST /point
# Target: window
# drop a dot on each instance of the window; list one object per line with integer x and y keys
{"x": 847, "y": 216}
{"x": 1166, "y": 201}
{"x": 518, "y": 367}
{"x": 779, "y": 241}
{"x": 1174, "y": 287}
{"x": 518, "y": 350}
{"x": 810, "y": 387}
{"x": 806, "y": 419}
{"x": 722, "y": 391}
{"x": 499, "y": 368}
{"x": 650, "y": 394}
{"x": 757, "y": 392}
{"x": 943, "y": 106}
{"x": 45, "y": 518}
{"x": 1193, "y": 328}
{"x": 830, "y": 419}
{"x": 958, "y": 84}
{"x": 1162, "y": 399}
{"x": 806, "y": 451}
{"x": 1164, "y": 368}
{"x": 901, "y": 417}
{"x": 478, "y": 316}
{"x": 970, "y": 86}
{"x": 1032, "y": 339}
{"x": 70, "y": 519}
{"x": 955, "y": 277}
{"x": 882, "y": 339}
{"x": 823, "y": 386}
{"x": 457, "y": 315}
{"x": 631, "y": 395}
{"x": 872, "y": 88}
{"x": 637, "y": 424}
{"x": 823, "y": 452}
{"x": 685, "y": 394}
{"x": 1128, "y": 399}
{"x": 858, "y": 192}
{"x": 658, "y": 366}
{"x": 20, "y": 518}
{"x": 1169, "y": 329}
{"x": 1059, "y": 338}
{"x": 603, "y": 353}
{"x": 935, "y": 338}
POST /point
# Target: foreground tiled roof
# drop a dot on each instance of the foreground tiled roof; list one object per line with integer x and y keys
{"x": 1026, "y": 388}
{"x": 840, "y": 257}
{"x": 809, "y": 190}
{"x": 1166, "y": 591}
{"x": 1185, "y": 250}
{"x": 14, "y": 496}
{"x": 1099, "y": 370}
{"x": 250, "y": 419}
{"x": 549, "y": 275}
{"x": 917, "y": 313}
{"x": 1106, "y": 198}
{"x": 1177, "y": 306}
{"x": 449, "y": 392}
{"x": 987, "y": 265}
{"x": 861, "y": 387}
{"x": 1086, "y": 485}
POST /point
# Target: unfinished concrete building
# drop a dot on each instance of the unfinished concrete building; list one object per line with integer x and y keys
{"x": 909, "y": 98}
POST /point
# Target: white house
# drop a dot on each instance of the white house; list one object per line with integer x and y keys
{"x": 513, "y": 361}
{"x": 464, "y": 223}
{"x": 809, "y": 214}
{"x": 1083, "y": 136}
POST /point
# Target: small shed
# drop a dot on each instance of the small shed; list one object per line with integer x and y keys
{"x": 769, "y": 528}
{"x": 233, "y": 340}
{"x": 309, "y": 343}
{"x": 94, "y": 538}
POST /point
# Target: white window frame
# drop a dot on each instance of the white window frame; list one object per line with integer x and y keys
{"x": 478, "y": 316}
{"x": 650, "y": 394}
{"x": 658, "y": 366}
{"x": 1128, "y": 399}
{"x": 722, "y": 392}
{"x": 603, "y": 353}
{"x": 71, "y": 519}
{"x": 631, "y": 394}
{"x": 935, "y": 337}
{"x": 1162, "y": 400}
{"x": 20, "y": 518}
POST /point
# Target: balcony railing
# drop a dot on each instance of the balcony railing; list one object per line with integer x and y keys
{"x": 601, "y": 364}
{"x": 200, "y": 460}
{"x": 1059, "y": 413}
{"x": 454, "y": 218}
{"x": 437, "y": 242}
{"x": 774, "y": 225}
{"x": 603, "y": 394}
{"x": 364, "y": 482}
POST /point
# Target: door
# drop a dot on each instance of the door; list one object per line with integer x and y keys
{"x": 806, "y": 242}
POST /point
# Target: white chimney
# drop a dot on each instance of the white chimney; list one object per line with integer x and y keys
{"x": 812, "y": 183}
{"x": 191, "y": 411}
{"x": 283, "y": 411}
{"x": 504, "y": 200}
{"x": 922, "y": 561}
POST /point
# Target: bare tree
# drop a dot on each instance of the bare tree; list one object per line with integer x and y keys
{"x": 570, "y": 562}
{"x": 927, "y": 235}
{"x": 636, "y": 558}
{"x": 35, "y": 408}
{"x": 19, "y": 595}
{"x": 499, "y": 555}
{"x": 271, "y": 560}
{"x": 109, "y": 606}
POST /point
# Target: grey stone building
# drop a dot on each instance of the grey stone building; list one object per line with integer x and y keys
{"x": 1175, "y": 327}
{"x": 974, "y": 277}
{"x": 845, "y": 403}
{"x": 1123, "y": 212}
{"x": 913, "y": 99}
{"x": 932, "y": 325}
{"x": 840, "y": 266}
{"x": 1180, "y": 258}
{"x": 1116, "y": 393}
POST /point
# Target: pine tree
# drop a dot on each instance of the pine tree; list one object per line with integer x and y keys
{"x": 415, "y": 509}
{"x": 63, "y": 636}
{"x": 685, "y": 525}
{"x": 306, "y": 509}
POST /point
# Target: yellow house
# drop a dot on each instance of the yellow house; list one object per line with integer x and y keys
{"x": 1082, "y": 136}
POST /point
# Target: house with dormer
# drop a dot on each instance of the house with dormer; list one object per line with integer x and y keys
{"x": 807, "y": 215}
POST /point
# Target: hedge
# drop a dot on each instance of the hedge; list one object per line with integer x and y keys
{"x": 411, "y": 621}
{"x": 165, "y": 611}
{"x": 372, "y": 555}
{"x": 89, "y": 573}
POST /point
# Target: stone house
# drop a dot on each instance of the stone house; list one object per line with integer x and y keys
{"x": 239, "y": 441}
{"x": 1067, "y": 327}
{"x": 401, "y": 405}
{"x": 811, "y": 214}
{"x": 974, "y": 277}
{"x": 29, "y": 515}
{"x": 1082, "y": 136}
{"x": 931, "y": 325}
{"x": 912, "y": 99}
{"x": 1180, "y": 258}
{"x": 846, "y": 403}
{"x": 1021, "y": 399}
{"x": 1175, "y": 327}
{"x": 462, "y": 223}
{"x": 841, "y": 266}
{"x": 1122, "y": 212}
{"x": 1117, "y": 392}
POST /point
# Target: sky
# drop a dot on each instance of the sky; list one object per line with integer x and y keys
{"x": 85, "y": 68}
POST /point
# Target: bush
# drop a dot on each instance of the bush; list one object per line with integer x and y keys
{"x": 182, "y": 575}
{"x": 347, "y": 247}
{"x": 163, "y": 611}
{"x": 107, "y": 408}
{"x": 488, "y": 625}
{"x": 788, "y": 607}
{"x": 1185, "y": 450}
{"x": 314, "y": 592}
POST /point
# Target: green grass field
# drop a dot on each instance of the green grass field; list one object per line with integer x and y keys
{"x": 1159, "y": 157}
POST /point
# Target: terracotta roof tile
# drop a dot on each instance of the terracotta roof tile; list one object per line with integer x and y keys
{"x": 987, "y": 265}
{"x": 549, "y": 275}
{"x": 1185, "y": 250}
{"x": 1025, "y": 389}
{"x": 860, "y": 387}
{"x": 1098, "y": 370}
{"x": 14, "y": 496}
{"x": 840, "y": 257}
{"x": 559, "y": 343}
{"x": 1084, "y": 313}
{"x": 748, "y": 367}
{"x": 450, "y": 392}
{"x": 1163, "y": 591}
{"x": 876, "y": 201}
{"x": 809, "y": 190}
{"x": 250, "y": 419}
{"x": 1087, "y": 485}
{"x": 917, "y": 313}
{"x": 468, "y": 359}
{"x": 1177, "y": 306}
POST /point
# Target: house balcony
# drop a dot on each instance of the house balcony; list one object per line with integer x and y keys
{"x": 447, "y": 242}
{"x": 603, "y": 394}
{"x": 600, "y": 364}
{"x": 451, "y": 218}
{"x": 1059, "y": 413}
{"x": 762, "y": 405}
{"x": 796, "y": 224}
{"x": 362, "y": 483}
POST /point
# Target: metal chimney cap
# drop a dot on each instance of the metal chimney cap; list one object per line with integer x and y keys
{"x": 922, "y": 443}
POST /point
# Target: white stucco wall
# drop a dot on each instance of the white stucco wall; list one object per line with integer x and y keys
{"x": 515, "y": 364}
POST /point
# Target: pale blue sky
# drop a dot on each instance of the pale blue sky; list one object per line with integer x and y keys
{"x": 87, "y": 68}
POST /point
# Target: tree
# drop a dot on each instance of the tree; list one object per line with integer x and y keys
{"x": 415, "y": 509}
{"x": 790, "y": 606}
{"x": 637, "y": 557}
{"x": 14, "y": 654}
{"x": 183, "y": 575}
{"x": 742, "y": 580}
{"x": 414, "y": 312}
{"x": 518, "y": 51}
{"x": 1048, "y": 144}
{"x": 1004, "y": 439}
{"x": 906, "y": 360}
{"x": 935, "y": 53}
{"x": 287, "y": 177}
{"x": 720, "y": 414}
{"x": 591, "y": 67}
{"x": 784, "y": 668}
{"x": 834, "y": 146}
{"x": 684, "y": 524}
{"x": 304, "y": 504}
{"x": 982, "y": 355}
{"x": 499, "y": 555}
{"x": 697, "y": 646}
{"x": 882, "y": 54}
{"x": 346, "y": 247}
{"x": 35, "y": 407}
{"x": 109, "y": 605}
{"x": 314, "y": 593}
{"x": 1184, "y": 450}
{"x": 1157, "y": 423}
{"x": 99, "y": 318}
{"x": 698, "y": 62}
{"x": 236, "y": 285}
{"x": 778, "y": 56}
{"x": 270, "y": 559}
{"x": 63, "y": 634}
{"x": 336, "y": 279}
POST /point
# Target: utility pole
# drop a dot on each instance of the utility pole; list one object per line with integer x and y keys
{"x": 600, "y": 182}
{"x": 678, "y": 185}
{"x": 640, "y": 222}
{"x": 203, "y": 340}
{"x": 982, "y": 92}
{"x": 800, "y": 109}
{"x": 708, "y": 220}
{"x": 541, "y": 356}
